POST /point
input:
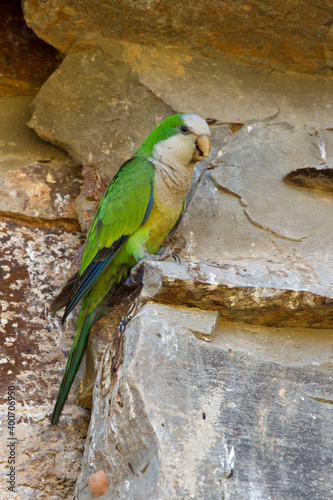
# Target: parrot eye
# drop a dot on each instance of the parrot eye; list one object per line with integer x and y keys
{"x": 184, "y": 129}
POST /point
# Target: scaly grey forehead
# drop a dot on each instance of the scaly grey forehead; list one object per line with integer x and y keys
{"x": 196, "y": 124}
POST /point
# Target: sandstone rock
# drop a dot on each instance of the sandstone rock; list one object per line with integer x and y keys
{"x": 219, "y": 387}
{"x": 252, "y": 291}
{"x": 45, "y": 193}
{"x": 38, "y": 183}
{"x": 282, "y": 35}
{"x": 102, "y": 334}
{"x": 14, "y": 87}
{"x": 189, "y": 419}
{"x": 272, "y": 288}
{"x": 267, "y": 151}
{"x": 222, "y": 88}
{"x": 34, "y": 348}
{"x": 99, "y": 136}
{"x": 38, "y": 187}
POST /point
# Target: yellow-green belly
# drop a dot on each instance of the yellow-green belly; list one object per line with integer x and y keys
{"x": 149, "y": 237}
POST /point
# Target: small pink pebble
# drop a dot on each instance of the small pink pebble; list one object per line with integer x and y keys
{"x": 98, "y": 483}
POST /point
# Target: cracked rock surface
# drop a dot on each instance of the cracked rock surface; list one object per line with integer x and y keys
{"x": 292, "y": 34}
{"x": 178, "y": 422}
{"x": 218, "y": 384}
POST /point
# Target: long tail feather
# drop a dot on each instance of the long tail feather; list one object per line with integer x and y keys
{"x": 84, "y": 324}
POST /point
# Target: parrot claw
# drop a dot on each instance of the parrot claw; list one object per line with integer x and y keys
{"x": 136, "y": 271}
{"x": 176, "y": 257}
{"x": 178, "y": 242}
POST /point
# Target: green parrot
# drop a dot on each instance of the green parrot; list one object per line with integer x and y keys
{"x": 142, "y": 204}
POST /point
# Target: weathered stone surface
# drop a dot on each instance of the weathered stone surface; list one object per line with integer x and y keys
{"x": 253, "y": 291}
{"x": 98, "y": 483}
{"x": 38, "y": 182}
{"x": 96, "y": 110}
{"x": 103, "y": 333}
{"x": 15, "y": 87}
{"x": 215, "y": 227}
{"x": 18, "y": 140}
{"x": 289, "y": 34}
{"x": 38, "y": 187}
{"x": 94, "y": 186}
{"x": 187, "y": 419}
{"x": 228, "y": 90}
{"x": 244, "y": 209}
{"x": 246, "y": 413}
{"x": 34, "y": 348}
{"x": 260, "y": 155}
{"x": 223, "y": 89}
{"x": 40, "y": 191}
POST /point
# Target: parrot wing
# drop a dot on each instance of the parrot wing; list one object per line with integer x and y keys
{"x": 125, "y": 206}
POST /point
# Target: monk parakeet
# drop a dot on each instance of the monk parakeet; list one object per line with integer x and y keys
{"x": 140, "y": 207}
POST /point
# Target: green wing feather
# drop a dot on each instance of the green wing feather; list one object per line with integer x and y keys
{"x": 122, "y": 208}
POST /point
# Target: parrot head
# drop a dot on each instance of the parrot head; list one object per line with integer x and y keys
{"x": 180, "y": 139}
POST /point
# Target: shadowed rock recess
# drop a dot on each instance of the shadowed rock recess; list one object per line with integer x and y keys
{"x": 218, "y": 385}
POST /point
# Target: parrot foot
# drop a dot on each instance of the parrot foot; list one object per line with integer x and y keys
{"x": 136, "y": 271}
{"x": 178, "y": 243}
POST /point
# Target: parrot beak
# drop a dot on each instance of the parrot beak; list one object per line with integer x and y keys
{"x": 202, "y": 148}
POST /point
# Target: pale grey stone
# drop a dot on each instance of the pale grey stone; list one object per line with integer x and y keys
{"x": 253, "y": 165}
{"x": 96, "y": 109}
{"x": 244, "y": 209}
{"x": 189, "y": 419}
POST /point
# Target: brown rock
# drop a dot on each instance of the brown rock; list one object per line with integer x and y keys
{"x": 25, "y": 60}
{"x": 103, "y": 333}
{"x": 253, "y": 291}
{"x": 34, "y": 348}
{"x": 17, "y": 140}
{"x": 38, "y": 182}
{"x": 42, "y": 192}
{"x": 283, "y": 35}
{"x": 174, "y": 416}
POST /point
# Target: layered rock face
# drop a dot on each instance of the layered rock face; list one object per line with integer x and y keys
{"x": 289, "y": 34}
{"x": 218, "y": 384}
